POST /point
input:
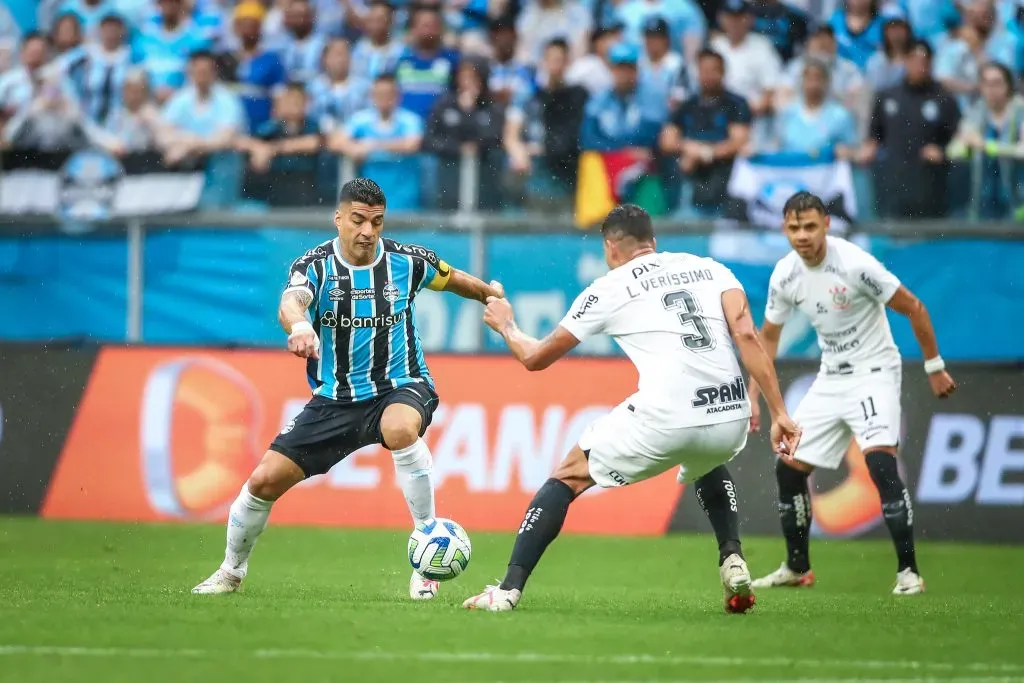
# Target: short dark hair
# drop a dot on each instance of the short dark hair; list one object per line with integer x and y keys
{"x": 1004, "y": 73}
{"x": 708, "y": 53}
{"x": 381, "y": 3}
{"x": 560, "y": 43}
{"x": 297, "y": 87}
{"x": 417, "y": 9}
{"x": 202, "y": 54}
{"x": 803, "y": 201}
{"x": 364, "y": 191}
{"x": 628, "y": 220}
{"x": 923, "y": 45}
{"x": 386, "y": 77}
{"x": 35, "y": 35}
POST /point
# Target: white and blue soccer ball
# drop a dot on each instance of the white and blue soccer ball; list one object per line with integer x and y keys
{"x": 439, "y": 549}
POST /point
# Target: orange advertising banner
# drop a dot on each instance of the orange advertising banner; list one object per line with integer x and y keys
{"x": 171, "y": 434}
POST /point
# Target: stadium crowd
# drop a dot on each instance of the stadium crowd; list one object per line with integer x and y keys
{"x": 272, "y": 93}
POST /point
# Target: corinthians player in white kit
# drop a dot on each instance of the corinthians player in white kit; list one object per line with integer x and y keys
{"x": 844, "y": 291}
{"x": 680, "y": 318}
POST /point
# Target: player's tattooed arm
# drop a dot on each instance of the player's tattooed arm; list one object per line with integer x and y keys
{"x": 534, "y": 354}
{"x": 294, "y": 304}
{"x": 470, "y": 287}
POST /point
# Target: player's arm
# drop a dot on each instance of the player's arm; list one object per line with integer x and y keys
{"x": 905, "y": 303}
{"x": 758, "y": 362}
{"x": 292, "y": 312}
{"x": 534, "y": 354}
{"x": 444, "y": 278}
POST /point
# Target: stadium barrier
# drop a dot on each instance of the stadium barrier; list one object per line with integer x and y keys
{"x": 169, "y": 434}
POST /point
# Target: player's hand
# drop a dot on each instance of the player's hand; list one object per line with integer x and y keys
{"x": 498, "y": 313}
{"x": 942, "y": 383}
{"x": 785, "y": 436}
{"x": 497, "y": 289}
{"x": 304, "y": 344}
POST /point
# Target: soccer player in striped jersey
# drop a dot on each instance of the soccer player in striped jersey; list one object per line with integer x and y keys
{"x": 348, "y": 310}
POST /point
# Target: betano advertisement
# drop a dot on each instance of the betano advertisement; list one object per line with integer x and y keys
{"x": 171, "y": 434}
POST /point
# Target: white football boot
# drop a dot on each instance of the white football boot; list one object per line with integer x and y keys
{"x": 494, "y": 599}
{"x": 736, "y": 585}
{"x": 219, "y": 582}
{"x": 784, "y": 576}
{"x": 908, "y": 582}
{"x": 421, "y": 588}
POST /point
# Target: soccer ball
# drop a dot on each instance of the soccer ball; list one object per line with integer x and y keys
{"x": 439, "y": 549}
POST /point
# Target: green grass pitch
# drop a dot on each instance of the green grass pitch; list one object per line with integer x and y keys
{"x": 110, "y": 603}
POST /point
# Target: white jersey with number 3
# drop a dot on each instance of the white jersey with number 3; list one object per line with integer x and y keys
{"x": 844, "y": 296}
{"x": 665, "y": 311}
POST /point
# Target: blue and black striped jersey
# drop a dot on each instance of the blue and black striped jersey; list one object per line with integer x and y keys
{"x": 364, "y": 317}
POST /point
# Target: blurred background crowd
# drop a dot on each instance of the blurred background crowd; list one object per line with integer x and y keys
{"x": 277, "y": 100}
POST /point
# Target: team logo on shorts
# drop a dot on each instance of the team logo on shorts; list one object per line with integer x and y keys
{"x": 391, "y": 293}
{"x": 840, "y": 298}
{"x": 289, "y": 427}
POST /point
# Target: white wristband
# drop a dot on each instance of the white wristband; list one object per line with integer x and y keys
{"x": 933, "y": 365}
{"x": 303, "y": 326}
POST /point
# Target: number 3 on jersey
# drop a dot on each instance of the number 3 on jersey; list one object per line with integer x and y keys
{"x": 682, "y": 303}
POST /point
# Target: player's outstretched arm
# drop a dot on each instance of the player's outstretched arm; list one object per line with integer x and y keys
{"x": 770, "y": 335}
{"x": 905, "y": 303}
{"x": 469, "y": 287}
{"x": 534, "y": 354}
{"x": 785, "y": 433}
{"x": 302, "y": 340}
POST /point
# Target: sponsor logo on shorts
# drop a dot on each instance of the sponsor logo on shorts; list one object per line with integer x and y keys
{"x": 584, "y": 307}
{"x": 617, "y": 478}
{"x": 720, "y": 398}
{"x": 288, "y": 427}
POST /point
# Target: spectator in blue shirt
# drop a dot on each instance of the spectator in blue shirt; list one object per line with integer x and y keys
{"x": 931, "y": 19}
{"x": 426, "y": 69}
{"x": 282, "y": 152}
{"x": 335, "y": 94}
{"x": 376, "y": 52}
{"x": 980, "y": 40}
{"x": 858, "y": 29}
{"x": 164, "y": 47}
{"x": 302, "y": 48}
{"x": 887, "y": 67}
{"x": 66, "y": 39}
{"x": 686, "y": 21}
{"x": 662, "y": 70}
{"x": 255, "y": 71}
{"x": 18, "y": 86}
{"x": 780, "y": 23}
{"x": 511, "y": 81}
{"x": 205, "y": 116}
{"x": 384, "y": 141}
{"x": 707, "y": 133}
{"x": 99, "y": 77}
{"x": 624, "y": 117}
{"x": 816, "y": 125}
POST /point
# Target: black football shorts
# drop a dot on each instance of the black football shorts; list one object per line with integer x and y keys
{"x": 326, "y": 431}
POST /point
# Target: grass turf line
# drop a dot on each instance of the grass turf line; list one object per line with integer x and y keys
{"x": 111, "y": 602}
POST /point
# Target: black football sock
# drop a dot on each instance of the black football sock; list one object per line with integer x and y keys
{"x": 795, "y": 513}
{"x": 897, "y": 509}
{"x": 717, "y": 497}
{"x": 543, "y": 521}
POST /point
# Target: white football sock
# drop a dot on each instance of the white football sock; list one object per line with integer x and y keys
{"x": 412, "y": 467}
{"x": 246, "y": 521}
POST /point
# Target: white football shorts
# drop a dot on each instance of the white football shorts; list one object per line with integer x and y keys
{"x": 837, "y": 407}
{"x": 625, "y": 447}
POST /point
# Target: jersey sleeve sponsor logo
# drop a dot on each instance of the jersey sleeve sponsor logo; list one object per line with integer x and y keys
{"x": 298, "y": 279}
{"x": 773, "y": 294}
{"x": 840, "y": 298}
{"x": 719, "y": 398}
{"x": 589, "y": 303}
{"x": 423, "y": 253}
{"x": 871, "y": 284}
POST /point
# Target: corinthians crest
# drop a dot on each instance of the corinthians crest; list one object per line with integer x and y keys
{"x": 840, "y": 298}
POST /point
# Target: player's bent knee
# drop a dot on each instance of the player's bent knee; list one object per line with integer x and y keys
{"x": 273, "y": 477}
{"x": 399, "y": 427}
